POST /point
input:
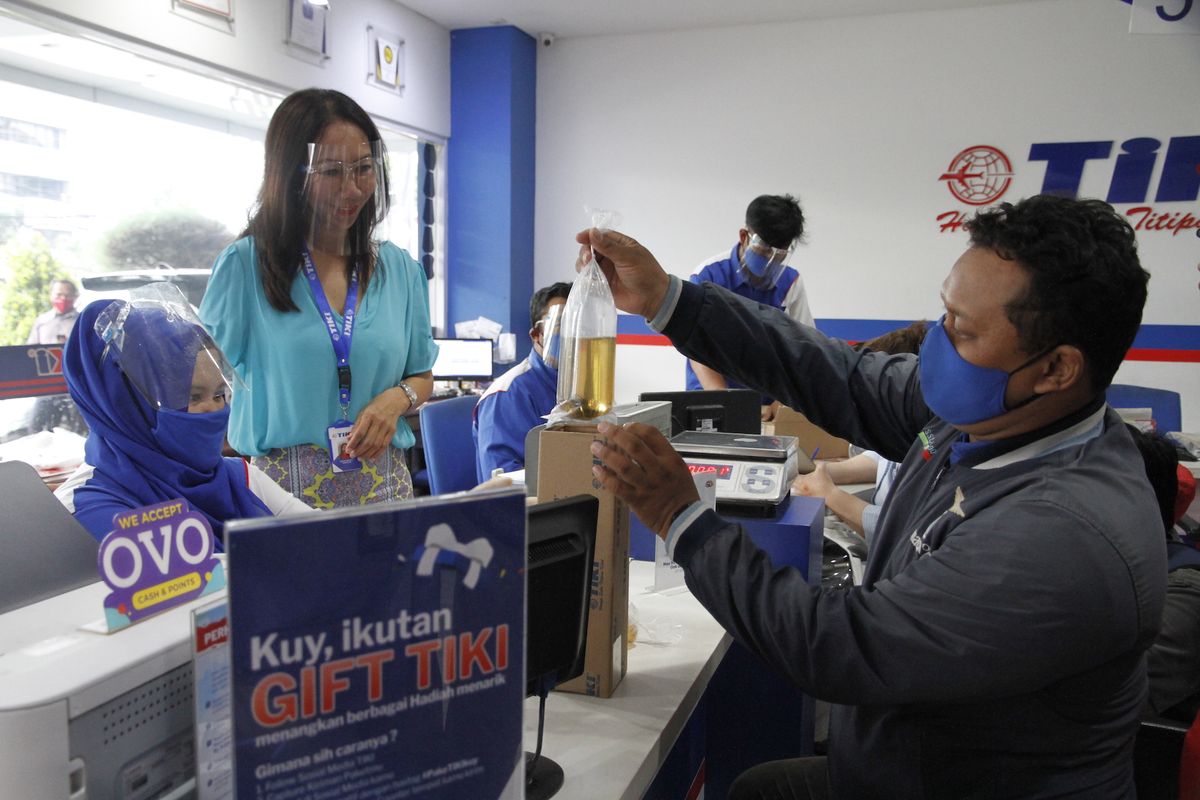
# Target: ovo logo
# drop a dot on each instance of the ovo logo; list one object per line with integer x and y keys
{"x": 979, "y": 175}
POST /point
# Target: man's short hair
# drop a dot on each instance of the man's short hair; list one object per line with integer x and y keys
{"x": 1086, "y": 284}
{"x": 64, "y": 281}
{"x": 777, "y": 219}
{"x": 542, "y": 297}
{"x": 902, "y": 340}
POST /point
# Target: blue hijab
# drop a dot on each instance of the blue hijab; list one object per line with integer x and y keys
{"x": 141, "y": 455}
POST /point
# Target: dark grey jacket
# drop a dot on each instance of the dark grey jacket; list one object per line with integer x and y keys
{"x": 996, "y": 646}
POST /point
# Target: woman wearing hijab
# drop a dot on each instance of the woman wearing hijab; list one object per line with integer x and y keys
{"x": 152, "y": 386}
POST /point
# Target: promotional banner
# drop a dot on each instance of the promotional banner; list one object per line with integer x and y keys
{"x": 157, "y": 557}
{"x": 379, "y": 652}
{"x": 31, "y": 370}
{"x": 210, "y": 670}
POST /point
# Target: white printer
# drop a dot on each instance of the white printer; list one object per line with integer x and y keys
{"x": 83, "y": 714}
{"x": 93, "y": 715}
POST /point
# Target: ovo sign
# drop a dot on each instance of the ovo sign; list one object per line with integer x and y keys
{"x": 157, "y": 557}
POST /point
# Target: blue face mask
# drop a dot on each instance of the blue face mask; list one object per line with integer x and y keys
{"x": 192, "y": 439}
{"x": 756, "y": 263}
{"x": 762, "y": 263}
{"x": 958, "y": 391}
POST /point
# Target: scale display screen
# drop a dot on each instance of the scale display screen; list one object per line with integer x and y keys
{"x": 748, "y": 469}
{"x": 758, "y": 482}
{"x": 721, "y": 472}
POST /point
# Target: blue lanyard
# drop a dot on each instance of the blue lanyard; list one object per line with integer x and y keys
{"x": 342, "y": 339}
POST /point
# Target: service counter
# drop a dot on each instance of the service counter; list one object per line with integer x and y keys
{"x": 613, "y": 748}
{"x": 703, "y": 705}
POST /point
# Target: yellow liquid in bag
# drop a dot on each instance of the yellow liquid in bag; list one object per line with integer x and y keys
{"x": 591, "y": 364}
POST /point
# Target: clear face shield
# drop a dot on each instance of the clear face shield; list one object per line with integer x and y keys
{"x": 762, "y": 264}
{"x": 163, "y": 349}
{"x": 344, "y": 184}
{"x": 551, "y": 334}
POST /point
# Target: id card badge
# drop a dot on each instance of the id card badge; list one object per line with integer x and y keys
{"x": 339, "y": 440}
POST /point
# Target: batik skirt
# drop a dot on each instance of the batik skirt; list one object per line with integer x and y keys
{"x": 305, "y": 471}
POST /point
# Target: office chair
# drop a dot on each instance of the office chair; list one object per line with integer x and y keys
{"x": 1164, "y": 404}
{"x": 449, "y": 447}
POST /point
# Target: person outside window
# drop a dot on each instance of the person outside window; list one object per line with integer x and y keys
{"x": 53, "y": 327}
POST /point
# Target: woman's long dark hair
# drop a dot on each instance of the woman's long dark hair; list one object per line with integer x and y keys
{"x": 279, "y": 221}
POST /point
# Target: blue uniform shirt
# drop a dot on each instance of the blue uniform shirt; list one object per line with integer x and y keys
{"x": 788, "y": 295}
{"x": 514, "y": 403}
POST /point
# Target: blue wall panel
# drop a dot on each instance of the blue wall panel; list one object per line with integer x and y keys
{"x": 490, "y": 178}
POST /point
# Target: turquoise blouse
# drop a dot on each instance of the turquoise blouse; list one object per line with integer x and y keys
{"x": 286, "y": 360}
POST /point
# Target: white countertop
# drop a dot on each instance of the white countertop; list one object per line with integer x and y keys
{"x": 612, "y": 748}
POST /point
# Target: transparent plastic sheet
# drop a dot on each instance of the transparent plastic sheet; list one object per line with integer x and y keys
{"x": 652, "y": 630}
{"x": 588, "y": 346}
{"x": 763, "y": 264}
{"x": 552, "y": 335}
{"x": 162, "y": 347}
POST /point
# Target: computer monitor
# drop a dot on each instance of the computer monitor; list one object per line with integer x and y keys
{"x": 725, "y": 410}
{"x": 47, "y": 552}
{"x": 561, "y": 542}
{"x": 463, "y": 360}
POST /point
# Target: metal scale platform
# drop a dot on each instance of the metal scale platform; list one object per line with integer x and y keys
{"x": 754, "y": 473}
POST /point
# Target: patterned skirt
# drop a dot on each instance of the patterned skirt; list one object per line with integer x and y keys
{"x": 305, "y": 472}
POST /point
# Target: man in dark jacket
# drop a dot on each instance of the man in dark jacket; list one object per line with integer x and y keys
{"x": 996, "y": 647}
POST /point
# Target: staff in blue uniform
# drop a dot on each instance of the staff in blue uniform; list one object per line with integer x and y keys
{"x": 520, "y": 398}
{"x": 756, "y": 268}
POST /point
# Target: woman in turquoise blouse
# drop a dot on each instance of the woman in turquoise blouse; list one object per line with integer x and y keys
{"x": 328, "y": 329}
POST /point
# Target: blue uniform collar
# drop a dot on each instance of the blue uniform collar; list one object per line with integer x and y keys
{"x": 544, "y": 371}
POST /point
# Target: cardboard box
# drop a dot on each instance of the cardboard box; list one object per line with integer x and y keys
{"x": 565, "y": 469}
{"x": 792, "y": 423}
{"x": 651, "y": 412}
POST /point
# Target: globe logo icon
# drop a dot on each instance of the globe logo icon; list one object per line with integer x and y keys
{"x": 978, "y": 175}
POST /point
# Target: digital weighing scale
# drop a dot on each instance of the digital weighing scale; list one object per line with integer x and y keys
{"x": 754, "y": 473}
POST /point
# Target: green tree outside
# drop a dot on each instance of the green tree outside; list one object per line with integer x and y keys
{"x": 30, "y": 267}
{"x": 183, "y": 239}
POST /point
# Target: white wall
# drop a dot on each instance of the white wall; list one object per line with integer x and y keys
{"x": 858, "y": 117}
{"x": 257, "y": 49}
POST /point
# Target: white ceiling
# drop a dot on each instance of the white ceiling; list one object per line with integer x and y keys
{"x": 572, "y": 18}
